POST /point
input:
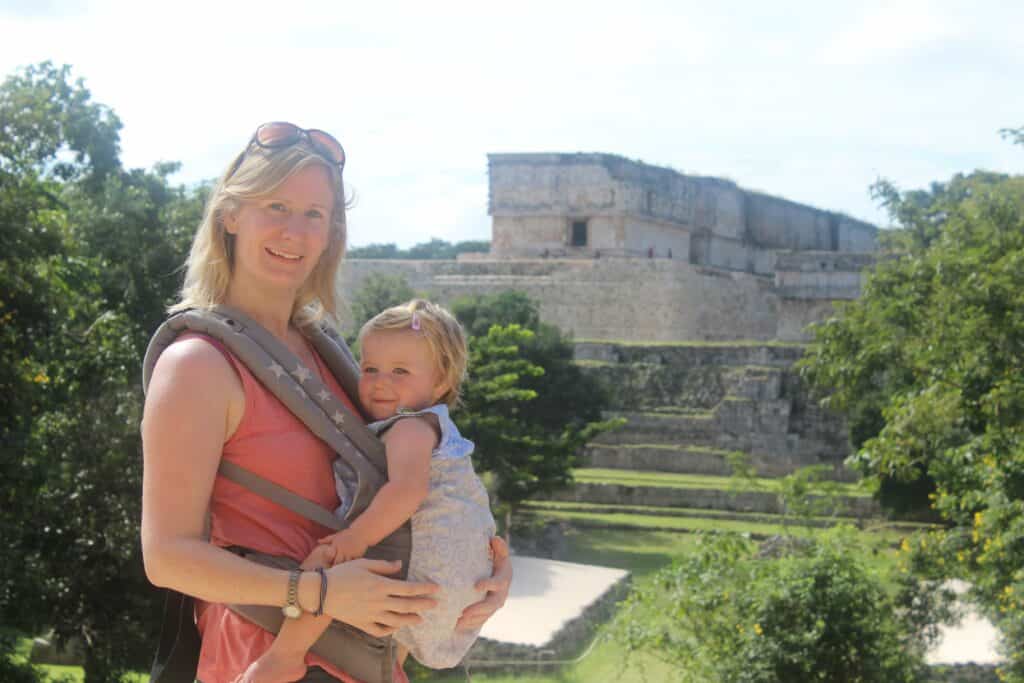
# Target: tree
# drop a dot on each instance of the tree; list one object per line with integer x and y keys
{"x": 90, "y": 259}
{"x": 724, "y": 612}
{"x": 435, "y": 249}
{"x": 528, "y": 408}
{"x": 928, "y": 366}
{"x": 379, "y": 291}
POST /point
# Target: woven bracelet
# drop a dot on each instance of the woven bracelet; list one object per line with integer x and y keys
{"x": 323, "y": 592}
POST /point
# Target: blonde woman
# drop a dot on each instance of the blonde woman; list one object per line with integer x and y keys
{"x": 270, "y": 244}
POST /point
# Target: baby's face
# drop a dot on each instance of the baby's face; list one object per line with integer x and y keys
{"x": 398, "y": 371}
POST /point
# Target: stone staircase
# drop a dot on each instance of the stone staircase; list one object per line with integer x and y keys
{"x": 687, "y": 407}
{"x": 693, "y": 409}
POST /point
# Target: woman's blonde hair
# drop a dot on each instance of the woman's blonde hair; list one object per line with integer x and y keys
{"x": 442, "y": 332}
{"x": 255, "y": 173}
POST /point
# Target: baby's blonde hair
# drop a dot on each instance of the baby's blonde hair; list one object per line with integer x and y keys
{"x": 439, "y": 328}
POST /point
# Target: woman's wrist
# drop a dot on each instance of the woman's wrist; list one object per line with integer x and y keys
{"x": 309, "y": 591}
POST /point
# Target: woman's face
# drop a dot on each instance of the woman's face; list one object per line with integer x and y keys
{"x": 279, "y": 238}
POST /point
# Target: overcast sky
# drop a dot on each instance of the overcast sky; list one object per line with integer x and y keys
{"x": 811, "y": 101}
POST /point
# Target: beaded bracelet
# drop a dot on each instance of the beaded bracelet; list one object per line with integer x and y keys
{"x": 323, "y": 592}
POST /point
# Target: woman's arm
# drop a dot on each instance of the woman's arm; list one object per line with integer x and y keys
{"x": 195, "y": 401}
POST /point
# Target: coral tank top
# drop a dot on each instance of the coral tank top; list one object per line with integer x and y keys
{"x": 271, "y": 442}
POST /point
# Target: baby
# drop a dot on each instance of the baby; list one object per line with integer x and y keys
{"x": 413, "y": 364}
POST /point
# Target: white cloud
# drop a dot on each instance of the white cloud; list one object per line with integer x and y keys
{"x": 802, "y": 99}
{"x": 889, "y": 31}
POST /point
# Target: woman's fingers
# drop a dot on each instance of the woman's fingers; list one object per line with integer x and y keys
{"x": 378, "y": 566}
{"x": 496, "y": 588}
{"x": 500, "y": 579}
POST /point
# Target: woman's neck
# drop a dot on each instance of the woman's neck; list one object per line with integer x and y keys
{"x": 271, "y": 310}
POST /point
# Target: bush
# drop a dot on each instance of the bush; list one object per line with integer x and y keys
{"x": 820, "y": 614}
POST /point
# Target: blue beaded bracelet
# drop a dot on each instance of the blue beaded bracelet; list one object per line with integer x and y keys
{"x": 323, "y": 592}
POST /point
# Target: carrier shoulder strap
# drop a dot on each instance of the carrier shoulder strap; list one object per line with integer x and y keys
{"x": 299, "y": 389}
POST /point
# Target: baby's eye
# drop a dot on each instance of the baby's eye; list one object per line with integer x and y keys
{"x": 369, "y": 370}
{"x": 277, "y": 207}
{"x": 401, "y": 371}
{"x": 315, "y": 214}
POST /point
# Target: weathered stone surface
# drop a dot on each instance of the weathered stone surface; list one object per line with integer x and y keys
{"x": 637, "y": 209}
{"x": 687, "y": 406}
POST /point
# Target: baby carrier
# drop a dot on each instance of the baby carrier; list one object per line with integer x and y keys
{"x": 367, "y": 658}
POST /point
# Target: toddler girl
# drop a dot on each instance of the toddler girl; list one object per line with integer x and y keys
{"x": 413, "y": 362}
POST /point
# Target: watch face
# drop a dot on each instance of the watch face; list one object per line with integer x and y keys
{"x": 292, "y": 611}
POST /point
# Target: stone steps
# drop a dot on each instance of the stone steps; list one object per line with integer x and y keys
{"x": 763, "y": 502}
{"x": 662, "y": 428}
{"x": 691, "y": 459}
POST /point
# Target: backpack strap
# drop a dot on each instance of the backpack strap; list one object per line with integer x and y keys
{"x": 299, "y": 389}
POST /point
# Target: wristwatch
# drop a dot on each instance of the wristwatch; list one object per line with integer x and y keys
{"x": 291, "y": 608}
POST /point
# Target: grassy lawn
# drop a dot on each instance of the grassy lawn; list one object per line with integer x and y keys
{"x": 594, "y": 475}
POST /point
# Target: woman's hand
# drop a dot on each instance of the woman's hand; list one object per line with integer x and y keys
{"x": 497, "y": 587}
{"x": 359, "y": 594}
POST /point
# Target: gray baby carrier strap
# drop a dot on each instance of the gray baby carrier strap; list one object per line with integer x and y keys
{"x": 307, "y": 397}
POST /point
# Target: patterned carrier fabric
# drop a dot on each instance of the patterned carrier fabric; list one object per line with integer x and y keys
{"x": 451, "y": 534}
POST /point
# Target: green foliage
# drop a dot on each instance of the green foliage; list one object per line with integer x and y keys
{"x": 90, "y": 259}
{"x": 721, "y": 613}
{"x": 379, "y": 291}
{"x": 435, "y": 249}
{"x": 527, "y": 407}
{"x": 927, "y": 364}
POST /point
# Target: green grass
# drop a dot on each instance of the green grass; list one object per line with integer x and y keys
{"x": 542, "y": 506}
{"x": 595, "y": 475}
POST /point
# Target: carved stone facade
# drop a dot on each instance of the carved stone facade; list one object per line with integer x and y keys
{"x": 602, "y": 205}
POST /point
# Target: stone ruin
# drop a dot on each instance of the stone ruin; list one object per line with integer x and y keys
{"x": 668, "y": 279}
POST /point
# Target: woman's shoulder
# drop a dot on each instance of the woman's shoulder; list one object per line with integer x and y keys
{"x": 194, "y": 364}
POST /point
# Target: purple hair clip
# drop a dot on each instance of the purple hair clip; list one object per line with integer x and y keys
{"x": 416, "y": 322}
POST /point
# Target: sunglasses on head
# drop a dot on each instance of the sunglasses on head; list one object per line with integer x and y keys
{"x": 279, "y": 134}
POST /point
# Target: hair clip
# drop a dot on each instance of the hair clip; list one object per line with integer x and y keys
{"x": 416, "y": 322}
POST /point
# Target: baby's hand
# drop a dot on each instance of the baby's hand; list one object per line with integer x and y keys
{"x": 320, "y": 556}
{"x": 347, "y": 545}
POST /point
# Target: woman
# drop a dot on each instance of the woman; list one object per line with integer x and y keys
{"x": 269, "y": 245}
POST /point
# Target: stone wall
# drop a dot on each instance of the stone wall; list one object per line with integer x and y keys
{"x": 722, "y": 225}
{"x": 656, "y": 299}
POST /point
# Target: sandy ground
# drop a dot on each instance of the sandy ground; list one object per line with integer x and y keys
{"x": 546, "y": 594}
{"x": 973, "y": 640}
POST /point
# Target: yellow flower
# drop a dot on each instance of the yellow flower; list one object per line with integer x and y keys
{"x": 905, "y": 545}
{"x": 758, "y": 630}
{"x": 41, "y": 378}
{"x": 978, "y": 518}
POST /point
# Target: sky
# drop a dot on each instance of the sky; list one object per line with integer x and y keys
{"x": 812, "y": 101}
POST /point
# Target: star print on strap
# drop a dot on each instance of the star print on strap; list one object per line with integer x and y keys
{"x": 276, "y": 369}
{"x": 302, "y": 373}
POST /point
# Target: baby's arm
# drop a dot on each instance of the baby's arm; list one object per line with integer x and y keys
{"x": 285, "y": 660}
{"x": 408, "y": 445}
